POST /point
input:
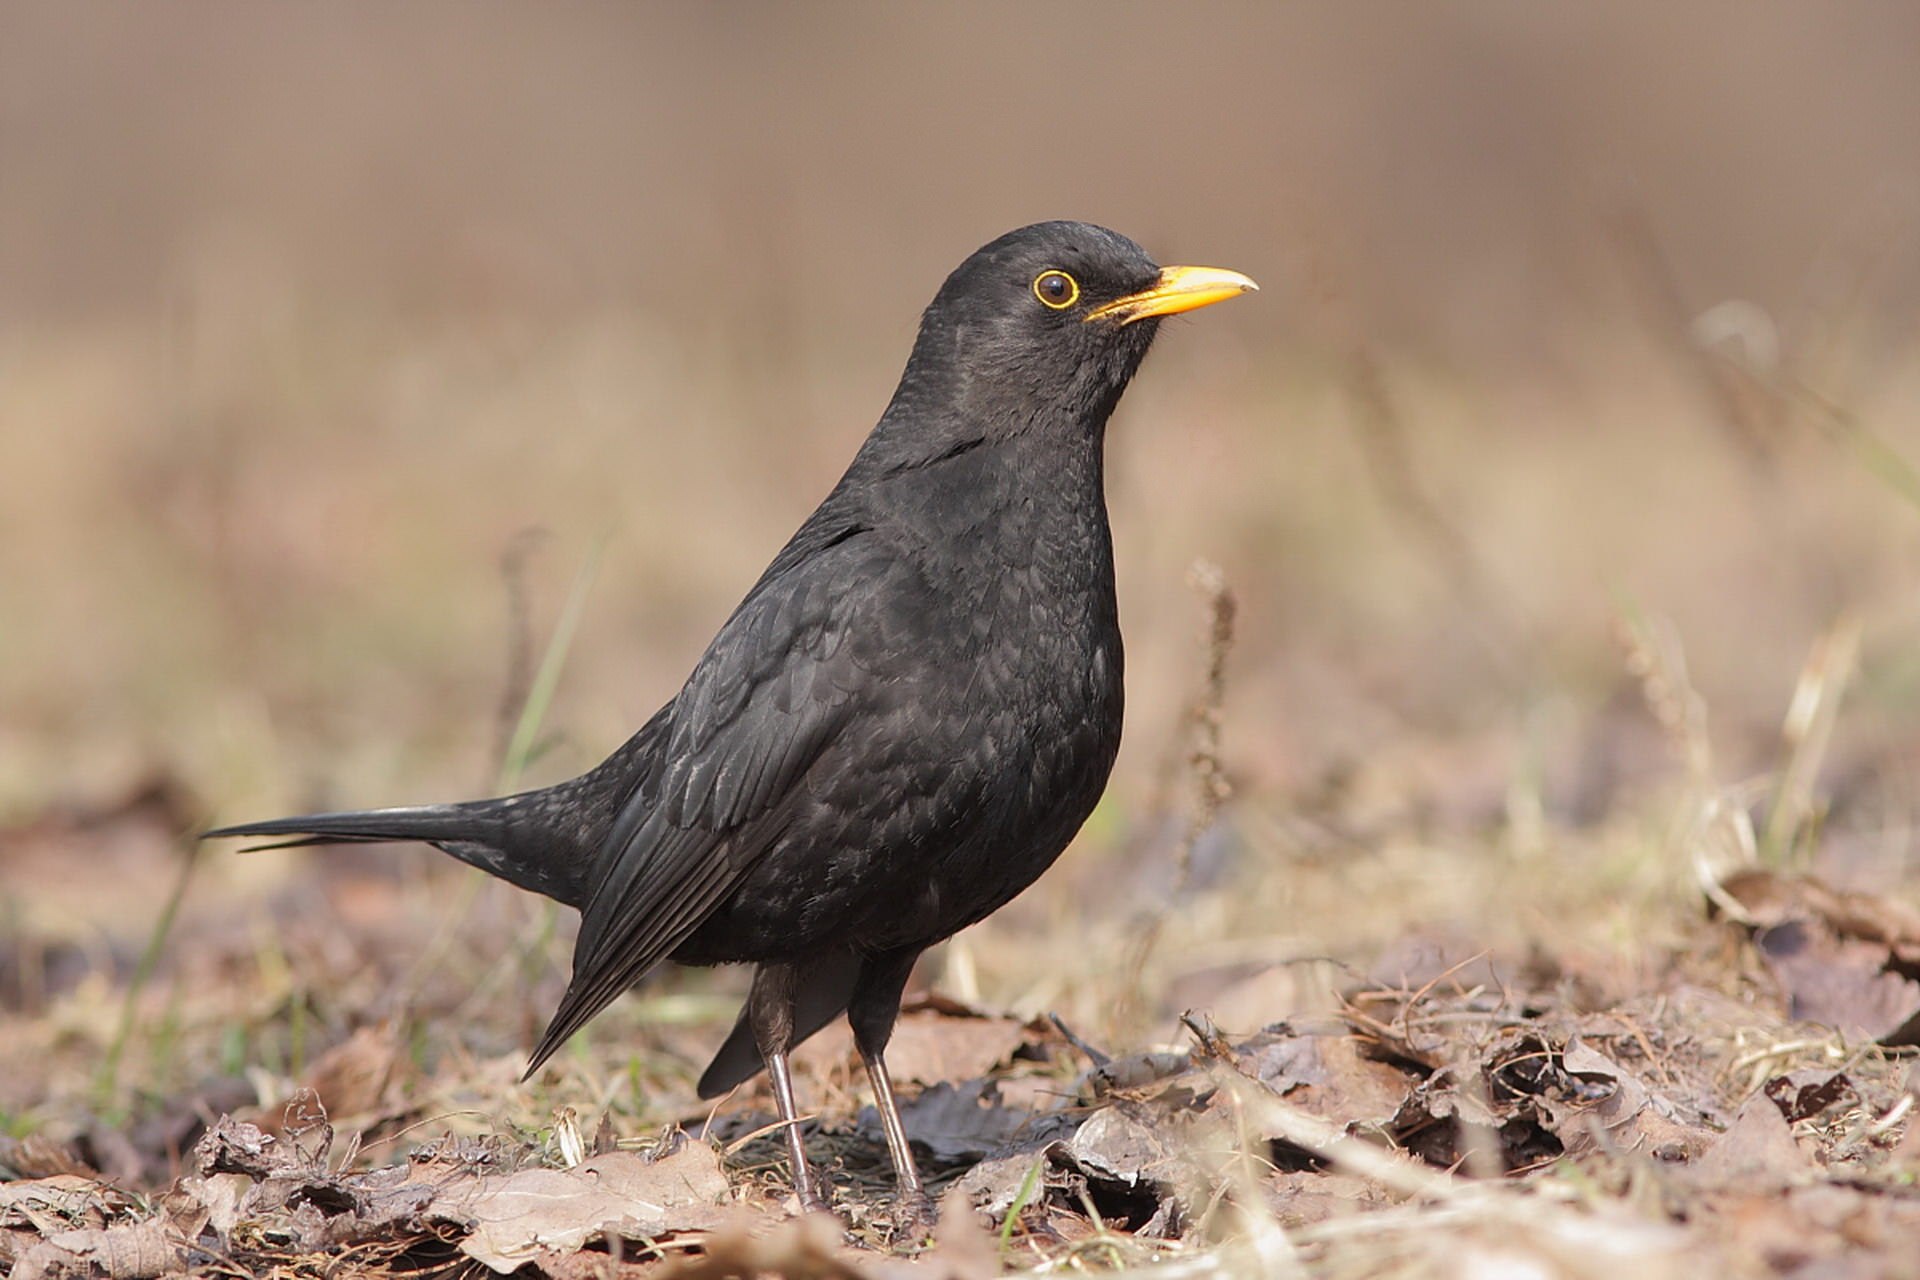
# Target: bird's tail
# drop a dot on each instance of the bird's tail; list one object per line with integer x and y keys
{"x": 493, "y": 835}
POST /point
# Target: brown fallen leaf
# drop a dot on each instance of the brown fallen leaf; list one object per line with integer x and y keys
{"x": 1771, "y": 897}
{"x": 1802, "y": 1095}
{"x": 1537, "y": 1093}
{"x": 1326, "y": 1075}
{"x": 1842, "y": 959}
{"x": 1299, "y": 1198}
{"x": 351, "y": 1078}
{"x": 130, "y": 1251}
{"x": 1839, "y": 982}
{"x": 1452, "y": 1118}
{"x": 59, "y": 1203}
{"x": 954, "y": 1124}
{"x": 993, "y": 1185}
{"x": 14, "y": 1242}
{"x": 1128, "y": 1149}
{"x": 248, "y": 1182}
{"x": 1619, "y": 1109}
{"x": 1757, "y": 1150}
{"x": 39, "y": 1156}
{"x": 806, "y": 1248}
{"x": 514, "y": 1218}
{"x": 930, "y": 1047}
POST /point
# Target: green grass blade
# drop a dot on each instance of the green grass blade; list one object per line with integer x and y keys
{"x": 546, "y": 680}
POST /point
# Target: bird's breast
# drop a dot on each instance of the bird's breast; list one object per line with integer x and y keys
{"x": 989, "y": 718}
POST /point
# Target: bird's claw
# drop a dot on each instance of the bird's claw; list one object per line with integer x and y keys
{"x": 812, "y": 1202}
{"x": 914, "y": 1216}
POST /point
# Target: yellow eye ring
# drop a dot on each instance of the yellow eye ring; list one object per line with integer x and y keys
{"x": 1056, "y": 290}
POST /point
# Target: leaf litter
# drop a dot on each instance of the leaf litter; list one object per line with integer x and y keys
{"x": 1519, "y": 1112}
{"x": 1733, "y": 1101}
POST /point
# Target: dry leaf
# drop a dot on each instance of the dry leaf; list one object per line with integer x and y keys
{"x": 130, "y": 1251}
{"x": 954, "y": 1124}
{"x": 38, "y": 1156}
{"x": 1297, "y": 1198}
{"x": 1839, "y": 982}
{"x": 515, "y": 1217}
{"x": 1841, "y": 958}
{"x": 743, "y": 1245}
{"x": 993, "y": 1185}
{"x": 244, "y": 1176}
{"x": 1757, "y": 1150}
{"x": 351, "y": 1078}
{"x": 1627, "y": 1114}
{"x": 1802, "y": 1095}
{"x": 1326, "y": 1076}
{"x": 56, "y": 1203}
{"x": 1129, "y": 1149}
{"x": 931, "y": 1047}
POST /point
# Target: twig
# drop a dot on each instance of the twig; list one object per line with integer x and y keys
{"x": 1093, "y": 1055}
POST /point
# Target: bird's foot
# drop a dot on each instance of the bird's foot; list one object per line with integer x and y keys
{"x": 811, "y": 1201}
{"x": 914, "y": 1217}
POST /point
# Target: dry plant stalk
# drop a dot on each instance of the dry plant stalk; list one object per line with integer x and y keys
{"x": 1717, "y": 833}
{"x": 1657, "y": 660}
{"x": 1208, "y": 776}
{"x": 1210, "y": 786}
{"x": 1808, "y": 732}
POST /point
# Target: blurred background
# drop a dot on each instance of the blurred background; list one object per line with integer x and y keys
{"x": 342, "y": 346}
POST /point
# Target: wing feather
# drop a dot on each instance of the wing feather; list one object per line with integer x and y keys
{"x": 769, "y": 697}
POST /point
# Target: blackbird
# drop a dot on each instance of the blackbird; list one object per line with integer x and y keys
{"x": 904, "y": 722}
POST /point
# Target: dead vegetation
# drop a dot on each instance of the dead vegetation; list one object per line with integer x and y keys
{"x": 1515, "y": 880}
{"x": 329, "y": 1087}
{"x": 1449, "y": 1120}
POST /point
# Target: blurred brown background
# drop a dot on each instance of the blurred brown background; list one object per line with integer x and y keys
{"x": 307, "y": 312}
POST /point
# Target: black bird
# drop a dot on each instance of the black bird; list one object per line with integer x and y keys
{"x": 903, "y": 723}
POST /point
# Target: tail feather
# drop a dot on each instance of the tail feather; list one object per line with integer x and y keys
{"x": 430, "y": 822}
{"x": 505, "y": 838}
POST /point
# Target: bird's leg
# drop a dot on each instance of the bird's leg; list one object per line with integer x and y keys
{"x": 872, "y": 1012}
{"x": 770, "y": 1011}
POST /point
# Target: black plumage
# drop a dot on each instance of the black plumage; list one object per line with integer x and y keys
{"x": 907, "y": 718}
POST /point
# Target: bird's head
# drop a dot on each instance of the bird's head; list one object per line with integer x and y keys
{"x": 1042, "y": 329}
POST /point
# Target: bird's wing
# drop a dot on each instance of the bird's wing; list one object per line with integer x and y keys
{"x": 777, "y": 685}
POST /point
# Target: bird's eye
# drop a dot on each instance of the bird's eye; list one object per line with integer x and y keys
{"x": 1056, "y": 289}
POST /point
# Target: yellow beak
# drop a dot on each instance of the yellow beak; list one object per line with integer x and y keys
{"x": 1178, "y": 289}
